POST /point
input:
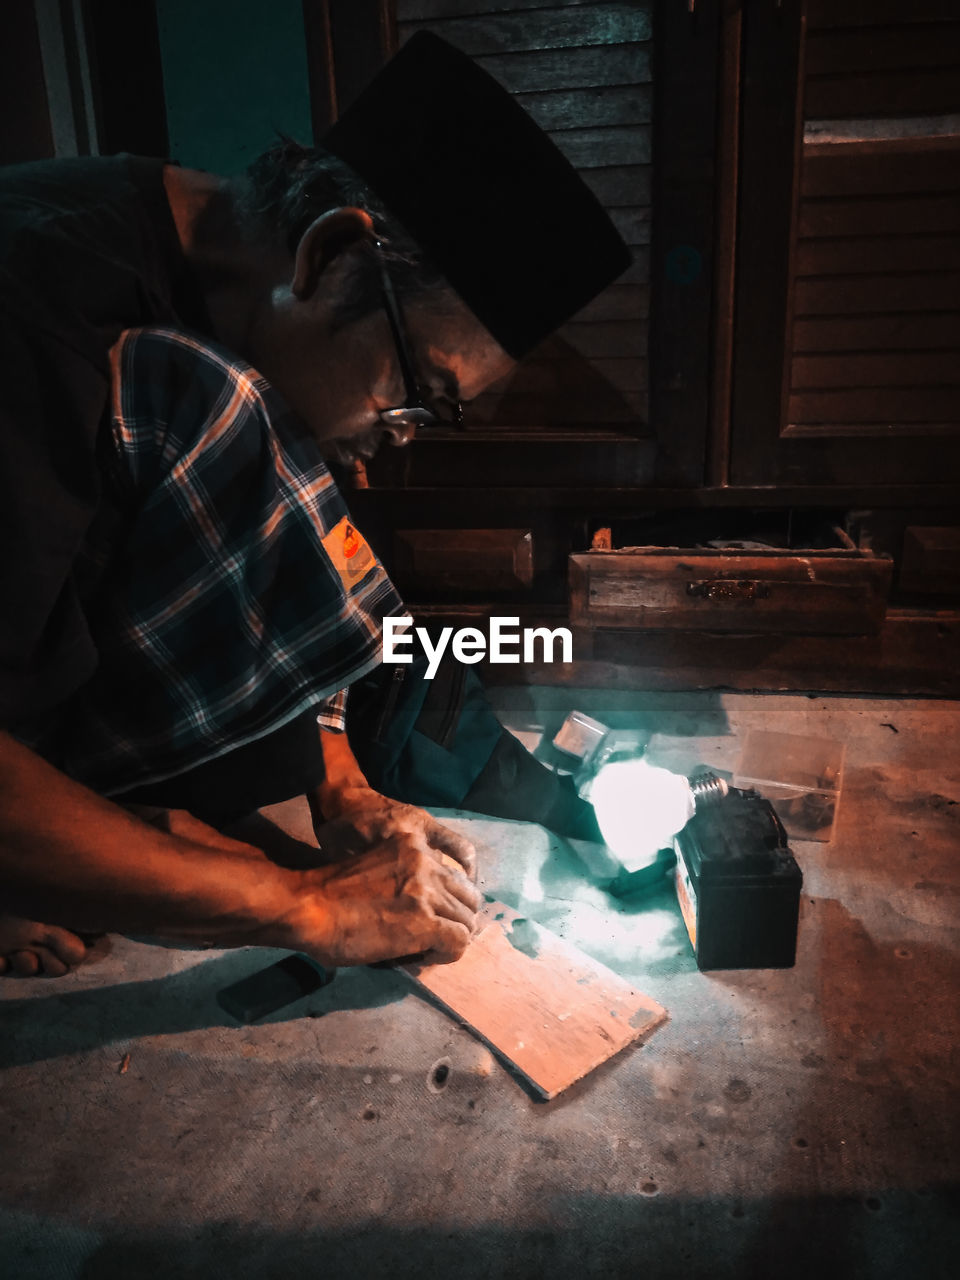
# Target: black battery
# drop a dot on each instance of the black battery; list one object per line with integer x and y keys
{"x": 738, "y": 885}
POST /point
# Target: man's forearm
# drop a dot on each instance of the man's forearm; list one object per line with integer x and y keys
{"x": 343, "y": 778}
{"x": 70, "y": 857}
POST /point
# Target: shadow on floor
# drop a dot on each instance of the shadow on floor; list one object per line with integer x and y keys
{"x": 885, "y": 1236}
{"x": 35, "y": 1029}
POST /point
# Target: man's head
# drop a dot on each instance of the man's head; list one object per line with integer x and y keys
{"x": 362, "y": 323}
{"x": 290, "y": 186}
{"x": 492, "y": 240}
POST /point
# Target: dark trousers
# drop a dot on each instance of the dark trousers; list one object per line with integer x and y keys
{"x": 511, "y": 783}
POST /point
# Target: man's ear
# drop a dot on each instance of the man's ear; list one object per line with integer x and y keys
{"x": 323, "y": 241}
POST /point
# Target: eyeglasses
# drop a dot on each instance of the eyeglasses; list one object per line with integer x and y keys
{"x": 415, "y": 411}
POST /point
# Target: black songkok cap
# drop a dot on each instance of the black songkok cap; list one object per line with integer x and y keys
{"x": 482, "y": 189}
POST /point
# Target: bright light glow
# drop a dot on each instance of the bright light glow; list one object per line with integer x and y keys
{"x": 640, "y": 808}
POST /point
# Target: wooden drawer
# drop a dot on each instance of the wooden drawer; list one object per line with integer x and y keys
{"x": 464, "y": 559}
{"x": 833, "y": 592}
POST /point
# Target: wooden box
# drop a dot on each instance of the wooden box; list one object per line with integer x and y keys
{"x": 832, "y": 592}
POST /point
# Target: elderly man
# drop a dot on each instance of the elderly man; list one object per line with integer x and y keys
{"x": 184, "y": 602}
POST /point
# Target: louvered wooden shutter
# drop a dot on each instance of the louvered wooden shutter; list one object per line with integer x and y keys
{"x": 876, "y": 333}
{"x": 868, "y": 387}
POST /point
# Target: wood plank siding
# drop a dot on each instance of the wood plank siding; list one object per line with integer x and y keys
{"x": 876, "y": 295}
{"x": 583, "y": 72}
{"x": 847, "y": 318}
{"x": 909, "y": 67}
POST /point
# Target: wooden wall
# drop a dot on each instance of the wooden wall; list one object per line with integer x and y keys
{"x": 877, "y": 296}
{"x": 908, "y": 65}
{"x": 583, "y": 71}
{"x": 876, "y": 303}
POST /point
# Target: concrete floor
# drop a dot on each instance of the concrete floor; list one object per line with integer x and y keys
{"x": 785, "y": 1123}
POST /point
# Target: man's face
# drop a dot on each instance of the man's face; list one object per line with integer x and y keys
{"x": 340, "y": 380}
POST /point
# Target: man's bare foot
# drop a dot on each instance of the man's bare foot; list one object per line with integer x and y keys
{"x": 28, "y": 948}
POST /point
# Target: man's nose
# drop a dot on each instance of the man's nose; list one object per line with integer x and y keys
{"x": 400, "y": 433}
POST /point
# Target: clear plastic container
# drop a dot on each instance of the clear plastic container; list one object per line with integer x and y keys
{"x": 801, "y": 776}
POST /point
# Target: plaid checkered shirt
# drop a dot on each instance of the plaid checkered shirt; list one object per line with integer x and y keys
{"x": 233, "y": 592}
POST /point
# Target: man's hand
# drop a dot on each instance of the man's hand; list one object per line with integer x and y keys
{"x": 350, "y": 817}
{"x": 72, "y": 859}
{"x": 365, "y": 819}
{"x": 395, "y": 881}
{"x": 394, "y": 898}
{"x": 399, "y": 899}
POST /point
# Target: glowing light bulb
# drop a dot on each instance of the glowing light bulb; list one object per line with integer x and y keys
{"x": 640, "y": 808}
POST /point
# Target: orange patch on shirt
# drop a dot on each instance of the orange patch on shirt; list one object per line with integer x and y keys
{"x": 348, "y": 552}
{"x": 352, "y": 542}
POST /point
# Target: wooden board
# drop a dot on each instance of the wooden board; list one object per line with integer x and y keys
{"x": 882, "y": 94}
{"x": 903, "y": 48}
{"x": 870, "y": 13}
{"x": 549, "y": 1010}
{"x": 533, "y": 29}
{"x": 869, "y": 294}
